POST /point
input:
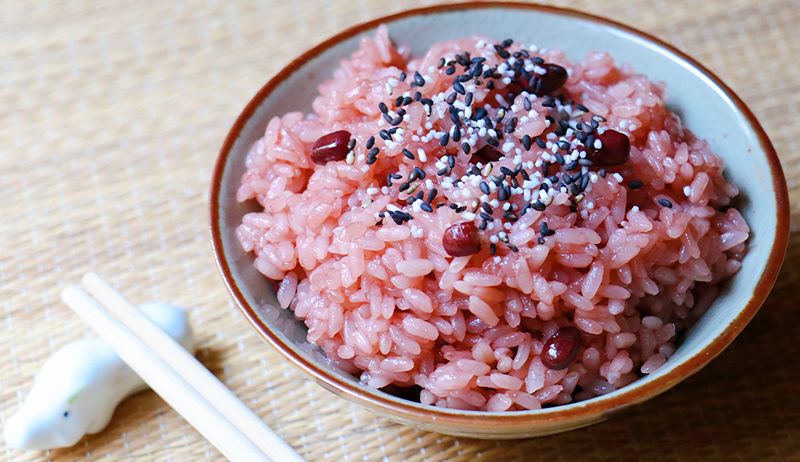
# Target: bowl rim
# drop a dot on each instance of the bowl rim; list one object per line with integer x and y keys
{"x": 430, "y": 414}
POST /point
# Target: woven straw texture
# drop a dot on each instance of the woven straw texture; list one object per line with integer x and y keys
{"x": 111, "y": 117}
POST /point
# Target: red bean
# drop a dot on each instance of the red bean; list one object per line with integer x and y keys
{"x": 486, "y": 154}
{"x": 616, "y": 149}
{"x": 561, "y": 349}
{"x": 554, "y": 77}
{"x": 461, "y": 240}
{"x": 332, "y": 146}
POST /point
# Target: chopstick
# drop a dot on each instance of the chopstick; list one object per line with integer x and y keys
{"x": 176, "y": 375}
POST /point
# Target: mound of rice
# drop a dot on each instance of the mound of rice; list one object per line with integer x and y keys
{"x": 632, "y": 257}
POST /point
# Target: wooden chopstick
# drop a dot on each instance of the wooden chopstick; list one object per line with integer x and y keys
{"x": 177, "y": 376}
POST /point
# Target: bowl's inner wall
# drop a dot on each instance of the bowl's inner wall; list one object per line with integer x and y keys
{"x": 703, "y": 108}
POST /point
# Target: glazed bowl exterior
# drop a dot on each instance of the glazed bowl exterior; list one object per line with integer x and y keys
{"x": 706, "y": 106}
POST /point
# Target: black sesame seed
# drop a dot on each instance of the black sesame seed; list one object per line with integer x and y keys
{"x": 524, "y": 174}
{"x": 513, "y": 247}
{"x": 458, "y": 88}
{"x": 540, "y": 142}
{"x": 549, "y": 103}
{"x": 451, "y": 161}
{"x": 560, "y": 158}
{"x": 456, "y": 121}
{"x": 482, "y": 225}
{"x": 527, "y": 142}
{"x": 461, "y": 208}
{"x": 502, "y": 194}
{"x": 490, "y": 85}
{"x": 571, "y": 166}
{"x": 537, "y": 60}
{"x": 511, "y": 125}
{"x": 510, "y": 216}
{"x": 456, "y": 136}
{"x": 370, "y": 142}
{"x": 406, "y": 101}
{"x": 585, "y": 162}
{"x": 418, "y": 80}
{"x": 371, "y": 160}
{"x": 594, "y": 124}
{"x": 584, "y": 182}
{"x": 351, "y": 144}
{"x": 545, "y": 169}
{"x": 538, "y": 206}
{"x": 598, "y": 118}
{"x": 397, "y": 121}
{"x": 417, "y": 96}
{"x": 445, "y": 139}
{"x": 486, "y": 216}
{"x": 419, "y": 195}
{"x": 506, "y": 171}
{"x": 388, "y": 181}
{"x": 562, "y": 144}
{"x": 432, "y": 195}
{"x": 492, "y": 249}
{"x": 602, "y": 172}
{"x": 553, "y": 179}
{"x": 465, "y": 147}
{"x": 387, "y": 117}
{"x": 492, "y": 142}
{"x": 397, "y": 218}
{"x": 426, "y": 207}
{"x": 382, "y": 107}
{"x": 541, "y": 241}
{"x": 420, "y": 173}
{"x": 468, "y": 99}
{"x": 566, "y": 179}
{"x": 487, "y": 208}
{"x": 635, "y": 184}
{"x": 399, "y": 101}
{"x": 408, "y": 154}
{"x": 665, "y": 203}
{"x": 373, "y": 152}
{"x": 507, "y": 43}
{"x": 440, "y": 205}
{"x": 453, "y": 206}
{"x": 581, "y": 107}
{"x": 484, "y": 187}
{"x": 526, "y": 103}
{"x": 443, "y": 172}
{"x": 440, "y": 64}
{"x": 450, "y": 70}
{"x": 501, "y": 52}
{"x": 545, "y": 231}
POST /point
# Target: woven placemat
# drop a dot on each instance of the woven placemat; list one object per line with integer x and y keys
{"x": 111, "y": 117}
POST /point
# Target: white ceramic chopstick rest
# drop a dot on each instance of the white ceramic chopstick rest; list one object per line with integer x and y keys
{"x": 82, "y": 383}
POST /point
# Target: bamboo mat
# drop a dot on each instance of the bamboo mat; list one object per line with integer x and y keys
{"x": 111, "y": 117}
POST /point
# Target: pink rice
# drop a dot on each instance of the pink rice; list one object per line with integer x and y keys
{"x": 390, "y": 305}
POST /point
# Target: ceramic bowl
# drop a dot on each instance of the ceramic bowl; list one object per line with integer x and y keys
{"x": 706, "y": 106}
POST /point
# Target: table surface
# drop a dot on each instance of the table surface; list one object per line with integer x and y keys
{"x": 111, "y": 117}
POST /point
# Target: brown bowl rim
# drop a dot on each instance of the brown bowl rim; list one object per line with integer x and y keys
{"x": 433, "y": 415}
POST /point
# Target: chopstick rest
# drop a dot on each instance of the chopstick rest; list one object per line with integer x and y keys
{"x": 177, "y": 376}
{"x": 79, "y": 387}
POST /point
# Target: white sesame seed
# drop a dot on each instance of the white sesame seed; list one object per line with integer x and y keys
{"x": 373, "y": 190}
{"x": 494, "y": 239}
{"x": 423, "y": 157}
{"x": 385, "y": 190}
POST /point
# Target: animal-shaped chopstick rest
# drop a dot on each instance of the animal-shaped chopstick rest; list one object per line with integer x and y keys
{"x": 81, "y": 384}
